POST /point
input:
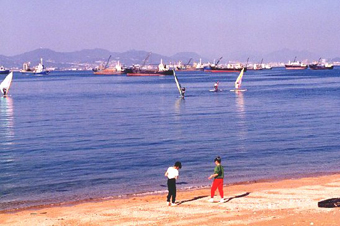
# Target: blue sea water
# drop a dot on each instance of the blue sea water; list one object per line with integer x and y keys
{"x": 71, "y": 136}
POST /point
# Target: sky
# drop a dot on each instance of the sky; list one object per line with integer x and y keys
{"x": 211, "y": 28}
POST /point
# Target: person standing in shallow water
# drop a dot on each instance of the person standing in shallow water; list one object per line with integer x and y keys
{"x": 218, "y": 180}
{"x": 172, "y": 175}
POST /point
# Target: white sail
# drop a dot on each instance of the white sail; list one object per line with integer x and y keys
{"x": 238, "y": 81}
{"x": 6, "y": 83}
{"x": 178, "y": 85}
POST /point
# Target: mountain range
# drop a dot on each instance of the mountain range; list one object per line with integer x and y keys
{"x": 94, "y": 57}
{"x": 91, "y": 57}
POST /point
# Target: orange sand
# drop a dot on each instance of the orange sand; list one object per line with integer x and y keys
{"x": 286, "y": 202}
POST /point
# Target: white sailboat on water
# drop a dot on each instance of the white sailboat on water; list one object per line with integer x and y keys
{"x": 6, "y": 84}
{"x": 179, "y": 87}
{"x": 238, "y": 82}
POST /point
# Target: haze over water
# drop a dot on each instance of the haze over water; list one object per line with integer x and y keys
{"x": 73, "y": 135}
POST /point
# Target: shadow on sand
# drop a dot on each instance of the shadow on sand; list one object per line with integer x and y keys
{"x": 193, "y": 199}
{"x": 237, "y": 196}
{"x": 205, "y": 196}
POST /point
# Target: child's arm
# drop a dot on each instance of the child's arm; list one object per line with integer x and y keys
{"x": 213, "y": 176}
{"x": 166, "y": 174}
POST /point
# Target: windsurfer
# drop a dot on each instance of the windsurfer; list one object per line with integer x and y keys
{"x": 4, "y": 91}
{"x": 216, "y": 86}
{"x": 183, "y": 91}
{"x": 237, "y": 86}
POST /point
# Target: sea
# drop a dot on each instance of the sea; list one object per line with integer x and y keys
{"x": 74, "y": 136}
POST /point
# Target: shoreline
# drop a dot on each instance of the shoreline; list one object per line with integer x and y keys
{"x": 283, "y": 202}
{"x": 162, "y": 192}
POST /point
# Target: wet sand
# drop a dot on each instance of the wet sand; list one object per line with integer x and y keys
{"x": 285, "y": 202}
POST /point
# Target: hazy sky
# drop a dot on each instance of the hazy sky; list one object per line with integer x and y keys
{"x": 209, "y": 27}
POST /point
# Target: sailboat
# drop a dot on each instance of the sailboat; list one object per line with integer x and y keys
{"x": 179, "y": 87}
{"x": 238, "y": 82}
{"x": 6, "y": 84}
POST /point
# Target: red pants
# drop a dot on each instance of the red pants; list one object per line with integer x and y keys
{"x": 217, "y": 183}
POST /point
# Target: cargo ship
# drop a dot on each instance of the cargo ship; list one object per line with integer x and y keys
{"x": 321, "y": 66}
{"x": 215, "y": 68}
{"x": 117, "y": 70}
{"x": 189, "y": 67}
{"x": 296, "y": 65}
{"x": 38, "y": 70}
{"x": 149, "y": 70}
{"x": 226, "y": 69}
{"x": 105, "y": 70}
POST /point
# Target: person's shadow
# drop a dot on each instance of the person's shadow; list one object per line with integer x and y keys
{"x": 205, "y": 196}
{"x": 193, "y": 199}
{"x": 237, "y": 196}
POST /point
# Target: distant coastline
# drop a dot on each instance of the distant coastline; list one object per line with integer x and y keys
{"x": 90, "y": 58}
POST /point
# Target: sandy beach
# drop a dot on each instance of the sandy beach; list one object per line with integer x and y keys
{"x": 285, "y": 202}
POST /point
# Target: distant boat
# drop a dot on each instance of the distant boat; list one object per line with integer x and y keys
{"x": 321, "y": 66}
{"x": 137, "y": 71}
{"x": 227, "y": 69}
{"x": 190, "y": 67}
{"x": 3, "y": 70}
{"x": 6, "y": 84}
{"x": 144, "y": 70}
{"x": 296, "y": 65}
{"x": 118, "y": 69}
{"x": 38, "y": 70}
{"x": 215, "y": 68}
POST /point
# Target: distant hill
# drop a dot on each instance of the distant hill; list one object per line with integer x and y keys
{"x": 90, "y": 57}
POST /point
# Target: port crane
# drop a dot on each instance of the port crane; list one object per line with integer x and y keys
{"x": 107, "y": 63}
{"x": 218, "y": 61}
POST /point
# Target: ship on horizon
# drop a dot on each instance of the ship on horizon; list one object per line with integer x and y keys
{"x": 321, "y": 65}
{"x": 216, "y": 68}
{"x": 296, "y": 65}
{"x": 106, "y": 70}
{"x": 38, "y": 70}
{"x": 148, "y": 70}
{"x": 3, "y": 70}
